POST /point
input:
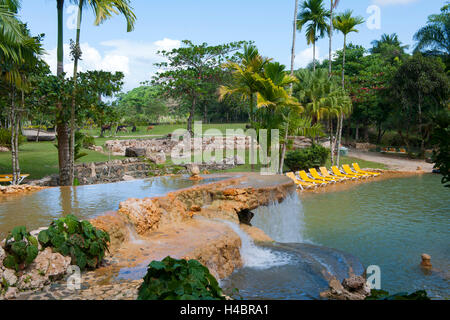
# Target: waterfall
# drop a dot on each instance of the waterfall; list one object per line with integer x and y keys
{"x": 254, "y": 256}
{"x": 283, "y": 222}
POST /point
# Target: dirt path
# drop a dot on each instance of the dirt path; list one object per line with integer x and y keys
{"x": 392, "y": 162}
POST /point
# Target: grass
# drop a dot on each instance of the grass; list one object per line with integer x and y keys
{"x": 41, "y": 159}
{"x": 162, "y": 130}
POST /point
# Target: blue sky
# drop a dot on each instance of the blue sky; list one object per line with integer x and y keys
{"x": 162, "y": 24}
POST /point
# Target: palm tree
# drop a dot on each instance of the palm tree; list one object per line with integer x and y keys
{"x": 273, "y": 95}
{"x": 314, "y": 16}
{"x": 333, "y": 5}
{"x": 19, "y": 54}
{"x": 103, "y": 10}
{"x": 346, "y": 24}
{"x": 435, "y": 36}
{"x": 294, "y": 34}
{"x": 244, "y": 83}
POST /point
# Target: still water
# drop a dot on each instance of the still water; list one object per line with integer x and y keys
{"x": 388, "y": 223}
{"x": 40, "y": 208}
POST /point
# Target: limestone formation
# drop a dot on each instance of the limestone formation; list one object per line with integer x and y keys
{"x": 352, "y": 288}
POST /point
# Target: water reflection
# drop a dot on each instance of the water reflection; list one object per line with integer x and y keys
{"x": 40, "y": 208}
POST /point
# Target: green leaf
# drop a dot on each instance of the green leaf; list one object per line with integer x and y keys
{"x": 10, "y": 262}
{"x": 32, "y": 252}
{"x": 43, "y": 237}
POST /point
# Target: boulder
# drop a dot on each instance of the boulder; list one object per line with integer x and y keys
{"x": 134, "y": 152}
{"x": 352, "y": 288}
{"x": 158, "y": 158}
{"x": 4, "y": 149}
{"x": 2, "y": 256}
{"x": 128, "y": 178}
{"x": 10, "y": 277}
{"x": 11, "y": 293}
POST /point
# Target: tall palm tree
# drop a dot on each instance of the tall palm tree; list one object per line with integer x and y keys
{"x": 345, "y": 23}
{"x": 244, "y": 83}
{"x": 294, "y": 36}
{"x": 314, "y": 16}
{"x": 435, "y": 36}
{"x": 273, "y": 95}
{"x": 103, "y": 10}
{"x": 19, "y": 54}
{"x": 333, "y": 5}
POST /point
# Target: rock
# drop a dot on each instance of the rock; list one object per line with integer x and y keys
{"x": 11, "y": 293}
{"x": 4, "y": 149}
{"x": 158, "y": 158}
{"x": 10, "y": 277}
{"x": 2, "y": 256}
{"x": 426, "y": 261}
{"x": 128, "y": 178}
{"x": 194, "y": 170}
{"x": 352, "y": 288}
{"x": 134, "y": 152}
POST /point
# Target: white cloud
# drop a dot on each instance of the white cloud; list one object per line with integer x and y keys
{"x": 393, "y": 2}
{"x": 134, "y": 59}
{"x": 305, "y": 57}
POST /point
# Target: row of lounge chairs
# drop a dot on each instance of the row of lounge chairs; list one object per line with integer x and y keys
{"x": 9, "y": 178}
{"x": 313, "y": 179}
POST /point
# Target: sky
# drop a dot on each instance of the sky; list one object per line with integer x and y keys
{"x": 162, "y": 24}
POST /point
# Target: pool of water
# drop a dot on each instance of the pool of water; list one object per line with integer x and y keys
{"x": 388, "y": 223}
{"x": 40, "y": 208}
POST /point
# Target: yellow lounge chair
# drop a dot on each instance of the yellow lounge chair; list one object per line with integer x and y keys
{"x": 304, "y": 176}
{"x": 358, "y": 169}
{"x": 325, "y": 173}
{"x": 313, "y": 172}
{"x": 299, "y": 183}
{"x": 9, "y": 177}
{"x": 349, "y": 170}
{"x": 338, "y": 173}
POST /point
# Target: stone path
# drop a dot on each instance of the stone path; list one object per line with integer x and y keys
{"x": 392, "y": 162}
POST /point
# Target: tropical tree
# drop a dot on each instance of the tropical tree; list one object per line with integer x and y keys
{"x": 333, "y": 5}
{"x": 434, "y": 38}
{"x": 314, "y": 16}
{"x": 274, "y": 97}
{"x": 103, "y": 10}
{"x": 389, "y": 47}
{"x": 19, "y": 57}
{"x": 294, "y": 36}
{"x": 346, "y": 24}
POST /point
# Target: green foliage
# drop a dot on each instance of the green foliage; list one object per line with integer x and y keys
{"x": 441, "y": 155}
{"x": 172, "y": 279}
{"x": 5, "y": 138}
{"x": 88, "y": 141}
{"x": 303, "y": 159}
{"x": 85, "y": 244}
{"x": 21, "y": 249}
{"x": 384, "y": 295}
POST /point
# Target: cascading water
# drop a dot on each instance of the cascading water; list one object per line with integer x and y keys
{"x": 283, "y": 222}
{"x": 254, "y": 256}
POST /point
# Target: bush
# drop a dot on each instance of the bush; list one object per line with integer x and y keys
{"x": 384, "y": 295}
{"x": 172, "y": 279}
{"x": 303, "y": 159}
{"x": 5, "y": 138}
{"x": 21, "y": 249}
{"x": 88, "y": 141}
{"x": 85, "y": 244}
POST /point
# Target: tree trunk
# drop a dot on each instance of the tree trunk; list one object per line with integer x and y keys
{"x": 205, "y": 113}
{"x": 283, "y": 152}
{"x": 343, "y": 62}
{"x": 340, "y": 139}
{"x": 422, "y": 142}
{"x": 330, "y": 124}
{"x": 72, "y": 111}
{"x": 314, "y": 56}
{"x": 331, "y": 37}
{"x": 62, "y": 132}
{"x": 14, "y": 150}
{"x": 294, "y": 34}
{"x": 191, "y": 117}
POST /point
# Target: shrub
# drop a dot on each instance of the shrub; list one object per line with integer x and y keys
{"x": 21, "y": 249}
{"x": 303, "y": 159}
{"x": 88, "y": 141}
{"x": 384, "y": 295}
{"x": 5, "y": 138}
{"x": 172, "y": 279}
{"x": 85, "y": 244}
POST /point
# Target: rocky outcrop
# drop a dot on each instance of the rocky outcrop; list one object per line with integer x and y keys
{"x": 352, "y": 288}
{"x": 8, "y": 190}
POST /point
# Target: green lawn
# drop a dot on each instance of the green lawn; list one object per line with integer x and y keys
{"x": 163, "y": 130}
{"x": 41, "y": 159}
